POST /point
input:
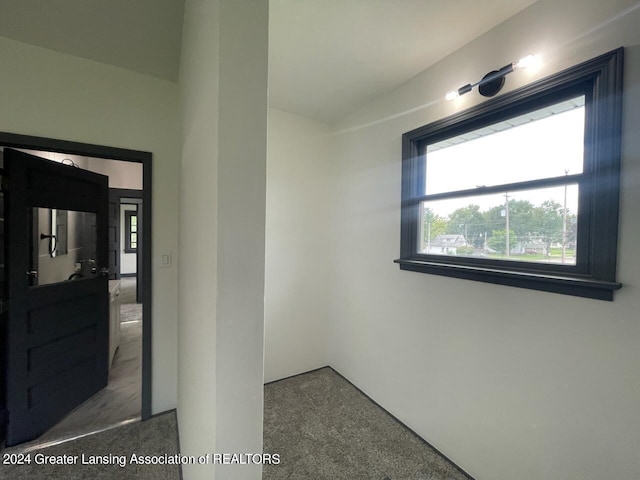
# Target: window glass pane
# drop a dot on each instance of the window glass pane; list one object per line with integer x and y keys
{"x": 134, "y": 239}
{"x": 134, "y": 221}
{"x": 544, "y": 143}
{"x": 134, "y": 245}
{"x": 48, "y": 263}
{"x": 537, "y": 225}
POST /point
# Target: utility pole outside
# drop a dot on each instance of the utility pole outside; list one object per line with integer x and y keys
{"x": 564, "y": 220}
{"x": 506, "y": 214}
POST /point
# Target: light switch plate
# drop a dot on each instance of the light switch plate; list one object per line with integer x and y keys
{"x": 165, "y": 260}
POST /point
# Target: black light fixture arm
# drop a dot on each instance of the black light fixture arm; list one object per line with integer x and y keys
{"x": 493, "y": 81}
{"x": 489, "y": 77}
{"x": 497, "y": 74}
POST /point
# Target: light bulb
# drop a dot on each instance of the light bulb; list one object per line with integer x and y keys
{"x": 528, "y": 62}
{"x": 452, "y": 95}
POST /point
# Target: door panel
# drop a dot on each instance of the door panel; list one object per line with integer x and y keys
{"x": 57, "y": 330}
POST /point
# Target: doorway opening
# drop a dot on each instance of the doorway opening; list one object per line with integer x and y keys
{"x": 129, "y": 275}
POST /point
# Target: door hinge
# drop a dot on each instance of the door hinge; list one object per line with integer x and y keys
{"x": 4, "y": 183}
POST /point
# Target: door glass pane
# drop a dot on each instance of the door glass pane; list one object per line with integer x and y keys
{"x": 63, "y": 246}
{"x": 545, "y": 143}
{"x": 537, "y": 226}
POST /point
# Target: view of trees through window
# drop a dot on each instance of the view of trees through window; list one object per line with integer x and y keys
{"x": 533, "y": 231}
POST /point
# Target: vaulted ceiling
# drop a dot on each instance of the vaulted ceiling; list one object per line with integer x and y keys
{"x": 326, "y": 57}
{"x": 139, "y": 35}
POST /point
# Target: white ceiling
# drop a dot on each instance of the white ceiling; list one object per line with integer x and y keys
{"x": 327, "y": 57}
{"x": 139, "y": 35}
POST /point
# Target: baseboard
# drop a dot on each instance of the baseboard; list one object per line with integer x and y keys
{"x": 298, "y": 374}
{"x": 164, "y": 412}
{"x": 128, "y": 275}
{"x": 405, "y": 425}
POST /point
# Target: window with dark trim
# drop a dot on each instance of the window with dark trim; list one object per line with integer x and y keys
{"x": 130, "y": 231}
{"x": 523, "y": 189}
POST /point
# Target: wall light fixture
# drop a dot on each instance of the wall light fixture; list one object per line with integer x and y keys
{"x": 493, "y": 81}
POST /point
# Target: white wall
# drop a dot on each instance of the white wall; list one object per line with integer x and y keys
{"x": 198, "y": 282}
{"x": 242, "y": 180}
{"x": 49, "y": 94}
{"x": 121, "y": 174}
{"x": 509, "y": 383}
{"x": 128, "y": 261}
{"x": 222, "y": 209}
{"x": 296, "y": 239}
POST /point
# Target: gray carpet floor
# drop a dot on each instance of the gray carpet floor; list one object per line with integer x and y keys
{"x": 321, "y": 426}
{"x": 325, "y": 428}
{"x": 155, "y": 437}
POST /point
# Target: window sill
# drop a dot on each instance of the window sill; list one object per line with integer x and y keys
{"x": 577, "y": 286}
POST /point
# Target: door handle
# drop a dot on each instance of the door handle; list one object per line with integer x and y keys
{"x": 32, "y": 273}
{"x": 104, "y": 272}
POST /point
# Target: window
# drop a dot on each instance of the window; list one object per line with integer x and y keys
{"x": 131, "y": 231}
{"x": 523, "y": 189}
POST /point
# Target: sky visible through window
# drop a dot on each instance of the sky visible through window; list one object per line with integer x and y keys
{"x": 549, "y": 147}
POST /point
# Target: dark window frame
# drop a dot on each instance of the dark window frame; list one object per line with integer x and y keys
{"x": 127, "y": 231}
{"x": 594, "y": 275}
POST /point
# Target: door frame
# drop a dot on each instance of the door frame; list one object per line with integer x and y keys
{"x": 132, "y": 197}
{"x": 13, "y": 140}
